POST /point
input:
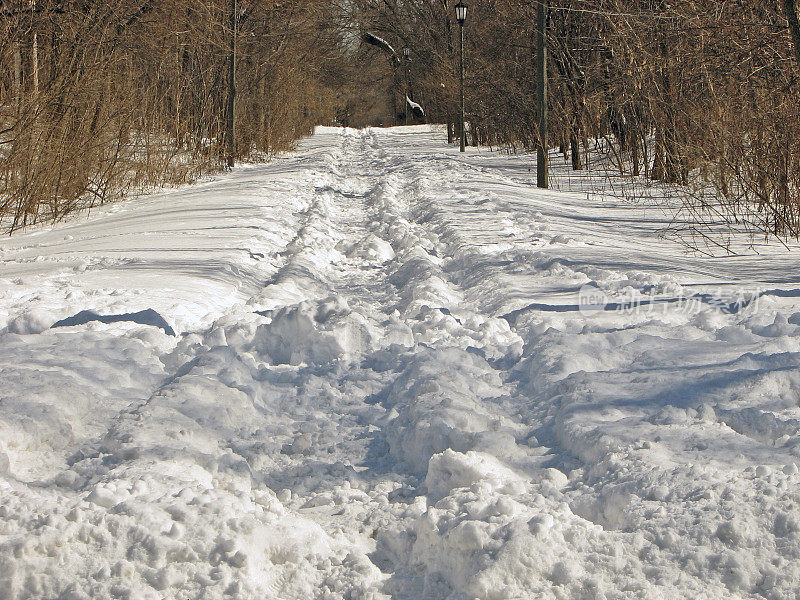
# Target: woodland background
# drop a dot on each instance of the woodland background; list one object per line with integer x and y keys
{"x": 100, "y": 100}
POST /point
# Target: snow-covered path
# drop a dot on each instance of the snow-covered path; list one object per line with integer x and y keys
{"x": 397, "y": 372}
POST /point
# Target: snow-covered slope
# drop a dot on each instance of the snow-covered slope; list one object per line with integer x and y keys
{"x": 397, "y": 372}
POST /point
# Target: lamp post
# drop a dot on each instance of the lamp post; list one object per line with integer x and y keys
{"x": 406, "y": 58}
{"x": 461, "y": 17}
{"x": 231, "y": 116}
{"x": 542, "y": 158}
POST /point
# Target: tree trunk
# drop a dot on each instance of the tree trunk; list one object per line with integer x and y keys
{"x": 232, "y": 88}
{"x": 17, "y": 79}
{"x": 393, "y": 96}
{"x": 34, "y": 53}
{"x": 790, "y": 6}
{"x": 542, "y": 166}
{"x": 54, "y": 55}
{"x": 658, "y": 171}
{"x": 575, "y": 150}
{"x": 263, "y": 135}
{"x": 35, "y": 65}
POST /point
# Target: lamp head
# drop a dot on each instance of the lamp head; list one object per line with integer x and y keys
{"x": 461, "y": 12}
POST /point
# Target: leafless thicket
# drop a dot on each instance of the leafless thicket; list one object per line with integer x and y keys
{"x": 98, "y": 99}
{"x": 702, "y": 95}
{"x": 102, "y": 98}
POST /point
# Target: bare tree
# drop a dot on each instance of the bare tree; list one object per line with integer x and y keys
{"x": 132, "y": 94}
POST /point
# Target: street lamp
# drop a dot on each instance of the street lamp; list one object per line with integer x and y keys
{"x": 461, "y": 17}
{"x": 231, "y": 116}
{"x": 406, "y": 58}
{"x": 461, "y": 13}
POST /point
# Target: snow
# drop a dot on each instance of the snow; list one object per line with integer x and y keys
{"x": 32, "y": 321}
{"x": 414, "y": 107}
{"x": 397, "y": 372}
{"x": 373, "y": 39}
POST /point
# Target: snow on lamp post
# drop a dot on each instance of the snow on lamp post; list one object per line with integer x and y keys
{"x": 461, "y": 17}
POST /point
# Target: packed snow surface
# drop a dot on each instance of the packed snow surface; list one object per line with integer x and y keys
{"x": 396, "y": 372}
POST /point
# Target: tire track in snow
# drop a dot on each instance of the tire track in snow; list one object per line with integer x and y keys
{"x": 205, "y": 436}
{"x": 628, "y": 404}
{"x": 183, "y": 362}
{"x": 308, "y": 260}
{"x": 469, "y": 504}
{"x": 443, "y": 397}
{"x": 439, "y": 394}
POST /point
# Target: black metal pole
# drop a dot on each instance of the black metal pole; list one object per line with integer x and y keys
{"x": 542, "y": 159}
{"x": 405, "y": 100}
{"x": 462, "y": 132}
{"x": 232, "y": 89}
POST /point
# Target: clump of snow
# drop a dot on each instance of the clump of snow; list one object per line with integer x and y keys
{"x": 5, "y": 461}
{"x": 372, "y": 248}
{"x": 435, "y": 411}
{"x": 31, "y": 322}
{"x": 315, "y": 334}
{"x": 451, "y": 470}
